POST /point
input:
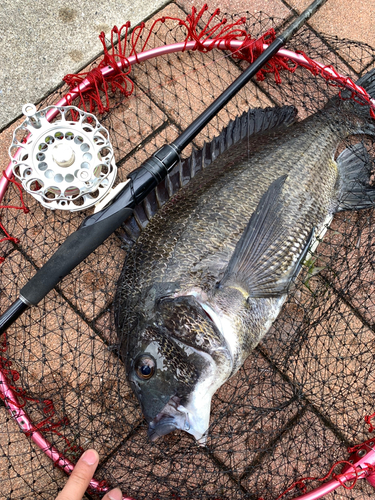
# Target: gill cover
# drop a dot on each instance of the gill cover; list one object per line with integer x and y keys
{"x": 176, "y": 367}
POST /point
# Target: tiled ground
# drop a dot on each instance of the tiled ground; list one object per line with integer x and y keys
{"x": 352, "y": 19}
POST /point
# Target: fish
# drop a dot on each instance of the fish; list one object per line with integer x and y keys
{"x": 215, "y": 249}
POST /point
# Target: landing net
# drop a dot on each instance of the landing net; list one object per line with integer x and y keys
{"x": 301, "y": 398}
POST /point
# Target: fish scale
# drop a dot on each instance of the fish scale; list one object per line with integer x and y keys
{"x": 212, "y": 268}
{"x": 177, "y": 238}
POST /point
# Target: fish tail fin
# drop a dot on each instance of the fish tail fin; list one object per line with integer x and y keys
{"x": 367, "y": 81}
{"x": 356, "y": 114}
{"x": 357, "y": 183}
{"x": 356, "y": 167}
{"x": 366, "y": 124}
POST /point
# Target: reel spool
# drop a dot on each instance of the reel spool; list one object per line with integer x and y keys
{"x": 65, "y": 164}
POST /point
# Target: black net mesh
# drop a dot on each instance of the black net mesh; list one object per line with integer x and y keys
{"x": 300, "y": 398}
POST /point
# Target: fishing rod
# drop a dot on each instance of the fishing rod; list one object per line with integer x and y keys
{"x": 96, "y": 228}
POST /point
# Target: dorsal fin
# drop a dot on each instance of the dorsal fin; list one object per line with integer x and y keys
{"x": 248, "y": 124}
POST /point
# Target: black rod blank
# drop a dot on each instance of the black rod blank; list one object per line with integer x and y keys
{"x": 193, "y": 130}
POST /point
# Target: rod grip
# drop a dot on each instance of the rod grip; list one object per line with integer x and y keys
{"x": 74, "y": 250}
{"x": 94, "y": 230}
{"x": 98, "y": 227}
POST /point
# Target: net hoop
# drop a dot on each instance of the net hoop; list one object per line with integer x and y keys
{"x": 6, "y": 392}
{"x": 299, "y": 58}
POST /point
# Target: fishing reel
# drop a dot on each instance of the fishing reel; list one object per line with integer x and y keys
{"x": 63, "y": 157}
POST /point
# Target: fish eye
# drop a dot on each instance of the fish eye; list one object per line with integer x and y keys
{"x": 145, "y": 367}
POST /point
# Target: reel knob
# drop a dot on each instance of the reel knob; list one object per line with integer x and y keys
{"x": 63, "y": 155}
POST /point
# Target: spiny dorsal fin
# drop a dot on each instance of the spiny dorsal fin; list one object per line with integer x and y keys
{"x": 249, "y": 123}
{"x": 257, "y": 264}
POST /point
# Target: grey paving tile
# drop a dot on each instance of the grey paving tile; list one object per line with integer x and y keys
{"x": 48, "y": 40}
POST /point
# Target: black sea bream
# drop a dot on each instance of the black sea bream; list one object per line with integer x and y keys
{"x": 210, "y": 272}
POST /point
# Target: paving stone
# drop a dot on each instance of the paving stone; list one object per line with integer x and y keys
{"x": 350, "y": 19}
{"x": 248, "y": 412}
{"x": 59, "y": 357}
{"x": 24, "y": 469}
{"x": 173, "y": 466}
{"x": 275, "y": 8}
{"x": 48, "y": 41}
{"x": 343, "y": 351}
{"x": 347, "y": 257}
{"x": 327, "y": 352}
{"x": 185, "y": 96}
{"x": 309, "y": 449}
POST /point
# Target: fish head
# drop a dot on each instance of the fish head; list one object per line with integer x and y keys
{"x": 173, "y": 367}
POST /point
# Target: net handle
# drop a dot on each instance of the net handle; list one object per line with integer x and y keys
{"x": 298, "y": 58}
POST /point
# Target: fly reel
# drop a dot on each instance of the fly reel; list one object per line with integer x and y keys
{"x": 63, "y": 157}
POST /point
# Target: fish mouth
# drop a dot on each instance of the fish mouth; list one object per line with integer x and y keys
{"x": 172, "y": 417}
{"x": 161, "y": 428}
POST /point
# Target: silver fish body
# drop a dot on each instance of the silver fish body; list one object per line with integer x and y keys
{"x": 209, "y": 274}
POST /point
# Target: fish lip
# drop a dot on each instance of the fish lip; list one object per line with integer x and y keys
{"x": 168, "y": 420}
{"x": 161, "y": 428}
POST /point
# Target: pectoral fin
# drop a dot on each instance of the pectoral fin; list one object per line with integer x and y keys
{"x": 263, "y": 262}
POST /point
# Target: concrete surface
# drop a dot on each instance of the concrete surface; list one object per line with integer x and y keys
{"x": 40, "y": 42}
